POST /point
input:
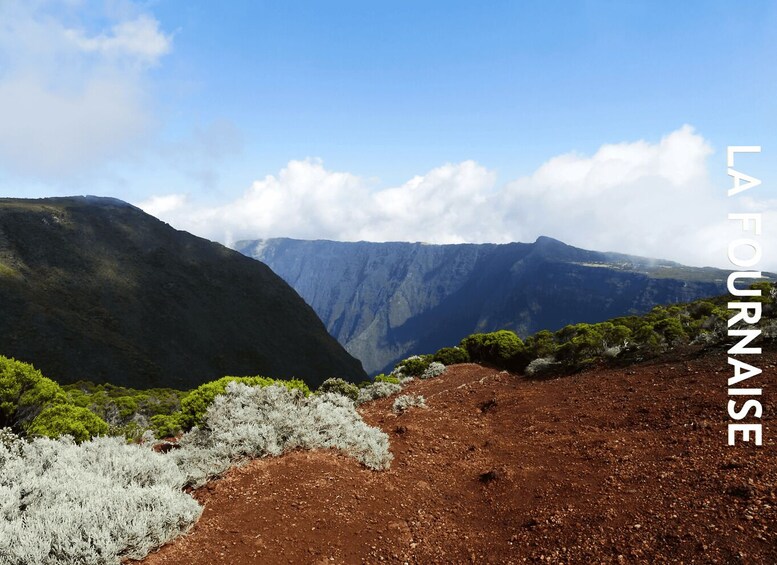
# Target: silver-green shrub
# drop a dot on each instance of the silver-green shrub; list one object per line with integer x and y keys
{"x": 8, "y": 437}
{"x": 406, "y": 401}
{"x": 93, "y": 503}
{"x": 103, "y": 500}
{"x": 377, "y": 390}
{"x": 339, "y": 386}
{"x": 250, "y": 422}
{"x": 541, "y": 365}
{"x": 435, "y": 369}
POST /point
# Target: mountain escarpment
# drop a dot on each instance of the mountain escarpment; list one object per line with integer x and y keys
{"x": 96, "y": 289}
{"x": 385, "y": 301}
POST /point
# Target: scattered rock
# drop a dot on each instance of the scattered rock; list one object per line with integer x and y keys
{"x": 489, "y": 476}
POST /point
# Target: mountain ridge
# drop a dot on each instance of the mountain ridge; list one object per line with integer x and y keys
{"x": 385, "y": 301}
{"x": 93, "y": 288}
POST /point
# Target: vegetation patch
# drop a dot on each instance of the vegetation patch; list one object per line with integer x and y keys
{"x": 196, "y": 403}
{"x": 434, "y": 369}
{"x": 250, "y": 421}
{"x": 624, "y": 339}
{"x": 387, "y": 379}
{"x": 451, "y": 356}
{"x": 413, "y": 366}
{"x": 377, "y": 390}
{"x": 339, "y": 386}
{"x": 407, "y": 401}
{"x": 94, "y": 503}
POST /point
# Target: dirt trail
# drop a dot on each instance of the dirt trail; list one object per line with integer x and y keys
{"x": 608, "y": 466}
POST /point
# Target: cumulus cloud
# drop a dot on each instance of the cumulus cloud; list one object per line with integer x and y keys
{"x": 139, "y": 39}
{"x": 653, "y": 199}
{"x": 160, "y": 206}
{"x": 71, "y": 96}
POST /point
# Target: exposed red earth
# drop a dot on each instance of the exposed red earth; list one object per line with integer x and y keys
{"x": 612, "y": 465}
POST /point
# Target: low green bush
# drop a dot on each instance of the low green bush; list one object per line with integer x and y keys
{"x": 414, "y": 366}
{"x": 646, "y": 338}
{"x": 671, "y": 329}
{"x": 61, "y": 419}
{"x": 196, "y": 403}
{"x": 24, "y": 392}
{"x": 166, "y": 425}
{"x": 339, "y": 386}
{"x": 127, "y": 411}
{"x": 501, "y": 348}
{"x": 451, "y": 356}
{"x": 542, "y": 344}
{"x": 387, "y": 379}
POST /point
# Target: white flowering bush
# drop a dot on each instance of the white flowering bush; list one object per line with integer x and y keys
{"x": 540, "y": 365}
{"x": 377, "y": 390}
{"x": 435, "y": 369}
{"x": 93, "y": 503}
{"x": 254, "y": 422}
{"x": 104, "y": 500}
{"x": 406, "y": 401}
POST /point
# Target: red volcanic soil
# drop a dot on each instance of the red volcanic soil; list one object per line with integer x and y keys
{"x": 608, "y": 466}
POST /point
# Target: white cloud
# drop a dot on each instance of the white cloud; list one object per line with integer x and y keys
{"x": 139, "y": 38}
{"x": 72, "y": 97}
{"x": 161, "y": 205}
{"x": 653, "y": 199}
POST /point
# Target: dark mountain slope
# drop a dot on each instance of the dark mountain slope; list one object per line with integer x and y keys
{"x": 385, "y": 301}
{"x": 93, "y": 288}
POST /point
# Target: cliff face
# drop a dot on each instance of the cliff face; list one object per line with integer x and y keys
{"x": 385, "y": 301}
{"x": 94, "y": 288}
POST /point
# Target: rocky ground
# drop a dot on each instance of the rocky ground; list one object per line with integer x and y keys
{"x": 625, "y": 465}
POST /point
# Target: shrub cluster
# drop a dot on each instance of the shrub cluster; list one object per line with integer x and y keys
{"x": 195, "y": 405}
{"x": 451, "y": 356}
{"x": 412, "y": 366}
{"x": 104, "y": 500}
{"x": 393, "y": 379}
{"x": 377, "y": 390}
{"x": 577, "y": 345}
{"x": 498, "y": 348}
{"x": 254, "y": 421}
{"x": 94, "y": 503}
{"x": 66, "y": 419}
{"x": 540, "y": 366}
{"x": 406, "y": 401}
{"x": 339, "y": 386}
{"x": 127, "y": 411}
{"x": 32, "y": 404}
{"x": 434, "y": 369}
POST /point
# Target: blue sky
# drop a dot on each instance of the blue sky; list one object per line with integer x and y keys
{"x": 198, "y": 109}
